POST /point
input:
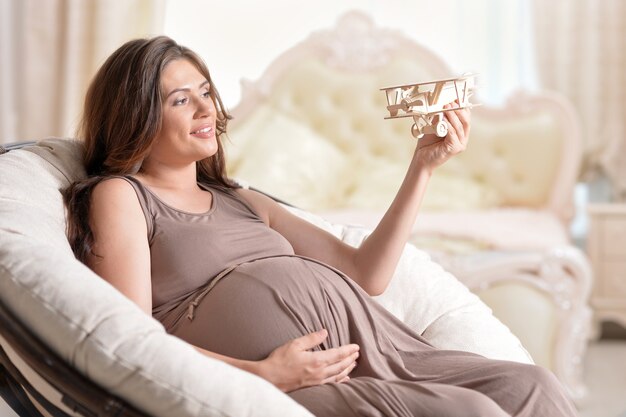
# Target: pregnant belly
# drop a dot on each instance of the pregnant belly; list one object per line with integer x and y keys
{"x": 263, "y": 304}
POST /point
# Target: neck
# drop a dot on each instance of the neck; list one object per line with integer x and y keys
{"x": 169, "y": 177}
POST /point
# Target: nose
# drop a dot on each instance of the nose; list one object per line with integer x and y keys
{"x": 204, "y": 108}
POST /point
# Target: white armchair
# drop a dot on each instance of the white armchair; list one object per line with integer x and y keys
{"x": 311, "y": 131}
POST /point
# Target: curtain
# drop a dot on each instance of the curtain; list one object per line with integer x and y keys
{"x": 49, "y": 50}
{"x": 581, "y": 53}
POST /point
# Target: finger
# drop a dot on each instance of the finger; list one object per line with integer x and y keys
{"x": 453, "y": 119}
{"x": 338, "y": 354}
{"x": 461, "y": 121}
{"x": 453, "y": 143}
{"x": 322, "y": 370}
{"x": 339, "y": 367}
{"x": 310, "y": 340}
{"x": 332, "y": 361}
{"x": 346, "y": 373}
{"x": 453, "y": 139}
{"x": 338, "y": 377}
{"x": 463, "y": 113}
{"x": 465, "y": 117}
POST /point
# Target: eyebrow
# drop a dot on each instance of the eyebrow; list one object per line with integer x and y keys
{"x": 176, "y": 90}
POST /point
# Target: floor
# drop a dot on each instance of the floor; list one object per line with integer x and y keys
{"x": 605, "y": 374}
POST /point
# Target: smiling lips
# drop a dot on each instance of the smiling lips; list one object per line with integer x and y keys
{"x": 204, "y": 133}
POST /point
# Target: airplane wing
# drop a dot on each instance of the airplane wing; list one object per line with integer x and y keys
{"x": 428, "y": 113}
{"x": 404, "y": 86}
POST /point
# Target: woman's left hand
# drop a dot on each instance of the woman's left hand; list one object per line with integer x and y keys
{"x": 433, "y": 151}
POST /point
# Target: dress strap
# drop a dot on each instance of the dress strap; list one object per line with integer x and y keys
{"x": 194, "y": 303}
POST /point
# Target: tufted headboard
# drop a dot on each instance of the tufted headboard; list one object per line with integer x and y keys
{"x": 312, "y": 131}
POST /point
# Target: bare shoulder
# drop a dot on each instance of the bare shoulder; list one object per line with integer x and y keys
{"x": 115, "y": 196}
{"x": 114, "y": 188}
{"x": 251, "y": 194}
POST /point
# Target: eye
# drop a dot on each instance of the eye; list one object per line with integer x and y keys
{"x": 180, "y": 101}
{"x": 206, "y": 94}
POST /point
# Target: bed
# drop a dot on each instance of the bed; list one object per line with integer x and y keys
{"x": 312, "y": 131}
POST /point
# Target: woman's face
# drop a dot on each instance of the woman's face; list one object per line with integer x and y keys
{"x": 188, "y": 117}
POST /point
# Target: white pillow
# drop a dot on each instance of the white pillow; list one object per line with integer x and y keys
{"x": 90, "y": 324}
{"x": 275, "y": 146}
{"x": 376, "y": 181}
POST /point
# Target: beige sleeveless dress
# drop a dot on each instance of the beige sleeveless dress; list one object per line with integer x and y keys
{"x": 224, "y": 281}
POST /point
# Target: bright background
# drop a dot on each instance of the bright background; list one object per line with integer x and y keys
{"x": 239, "y": 38}
{"x": 50, "y": 50}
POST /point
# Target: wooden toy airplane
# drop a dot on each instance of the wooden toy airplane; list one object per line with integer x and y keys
{"x": 424, "y": 102}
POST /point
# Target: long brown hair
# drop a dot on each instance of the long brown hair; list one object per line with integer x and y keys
{"x": 121, "y": 119}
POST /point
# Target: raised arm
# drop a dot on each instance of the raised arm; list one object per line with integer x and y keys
{"x": 373, "y": 263}
{"x": 123, "y": 259}
{"x": 376, "y": 259}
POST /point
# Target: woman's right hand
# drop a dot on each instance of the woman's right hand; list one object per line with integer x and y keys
{"x": 293, "y": 365}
